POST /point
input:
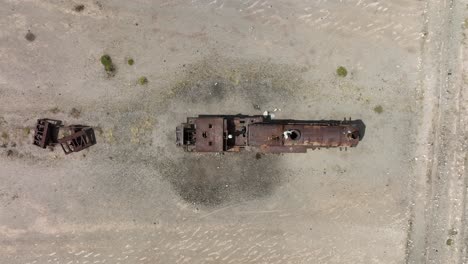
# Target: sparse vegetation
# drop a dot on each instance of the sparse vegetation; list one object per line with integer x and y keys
{"x": 142, "y": 80}
{"x": 26, "y": 131}
{"x": 378, "y": 109}
{"x": 99, "y": 130}
{"x": 453, "y": 232}
{"x": 4, "y": 135}
{"x": 54, "y": 110}
{"x": 341, "y": 71}
{"x": 108, "y": 65}
{"x": 75, "y": 112}
{"x": 130, "y": 61}
{"x": 78, "y": 8}
{"x": 449, "y": 242}
{"x": 30, "y": 36}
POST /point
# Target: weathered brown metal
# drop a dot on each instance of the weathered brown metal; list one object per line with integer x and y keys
{"x": 82, "y": 137}
{"x": 211, "y": 139}
{"x": 46, "y": 132}
{"x": 236, "y": 133}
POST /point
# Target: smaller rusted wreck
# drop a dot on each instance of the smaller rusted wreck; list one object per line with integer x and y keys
{"x": 224, "y": 133}
{"x": 74, "y": 137}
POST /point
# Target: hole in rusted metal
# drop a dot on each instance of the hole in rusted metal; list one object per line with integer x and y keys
{"x": 353, "y": 135}
{"x": 204, "y": 135}
{"x": 210, "y": 126}
{"x": 210, "y": 143}
{"x": 294, "y": 135}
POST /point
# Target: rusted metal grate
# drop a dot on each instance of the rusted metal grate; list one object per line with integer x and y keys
{"x": 47, "y": 131}
{"x": 81, "y": 138}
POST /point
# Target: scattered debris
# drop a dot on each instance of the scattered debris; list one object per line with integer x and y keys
{"x": 341, "y": 71}
{"x": 30, "y": 36}
{"x": 78, "y": 8}
{"x": 256, "y": 107}
{"x": 269, "y": 115}
{"x": 142, "y": 80}
{"x": 212, "y": 133}
{"x": 47, "y": 131}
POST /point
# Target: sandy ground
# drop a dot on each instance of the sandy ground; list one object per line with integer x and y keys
{"x": 399, "y": 197}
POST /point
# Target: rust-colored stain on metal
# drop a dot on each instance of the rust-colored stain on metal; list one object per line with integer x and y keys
{"x": 47, "y": 131}
{"x": 207, "y": 133}
{"x": 81, "y": 137}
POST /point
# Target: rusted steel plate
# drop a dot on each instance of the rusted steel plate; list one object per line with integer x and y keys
{"x": 82, "y": 137}
{"x": 323, "y": 136}
{"x": 265, "y": 134}
{"x": 46, "y": 132}
{"x": 209, "y": 134}
{"x": 282, "y": 149}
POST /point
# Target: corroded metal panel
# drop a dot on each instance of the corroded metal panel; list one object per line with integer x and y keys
{"x": 47, "y": 131}
{"x": 209, "y": 134}
{"x": 236, "y": 133}
{"x": 82, "y": 137}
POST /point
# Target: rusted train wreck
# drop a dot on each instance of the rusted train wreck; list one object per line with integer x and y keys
{"x": 208, "y": 133}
